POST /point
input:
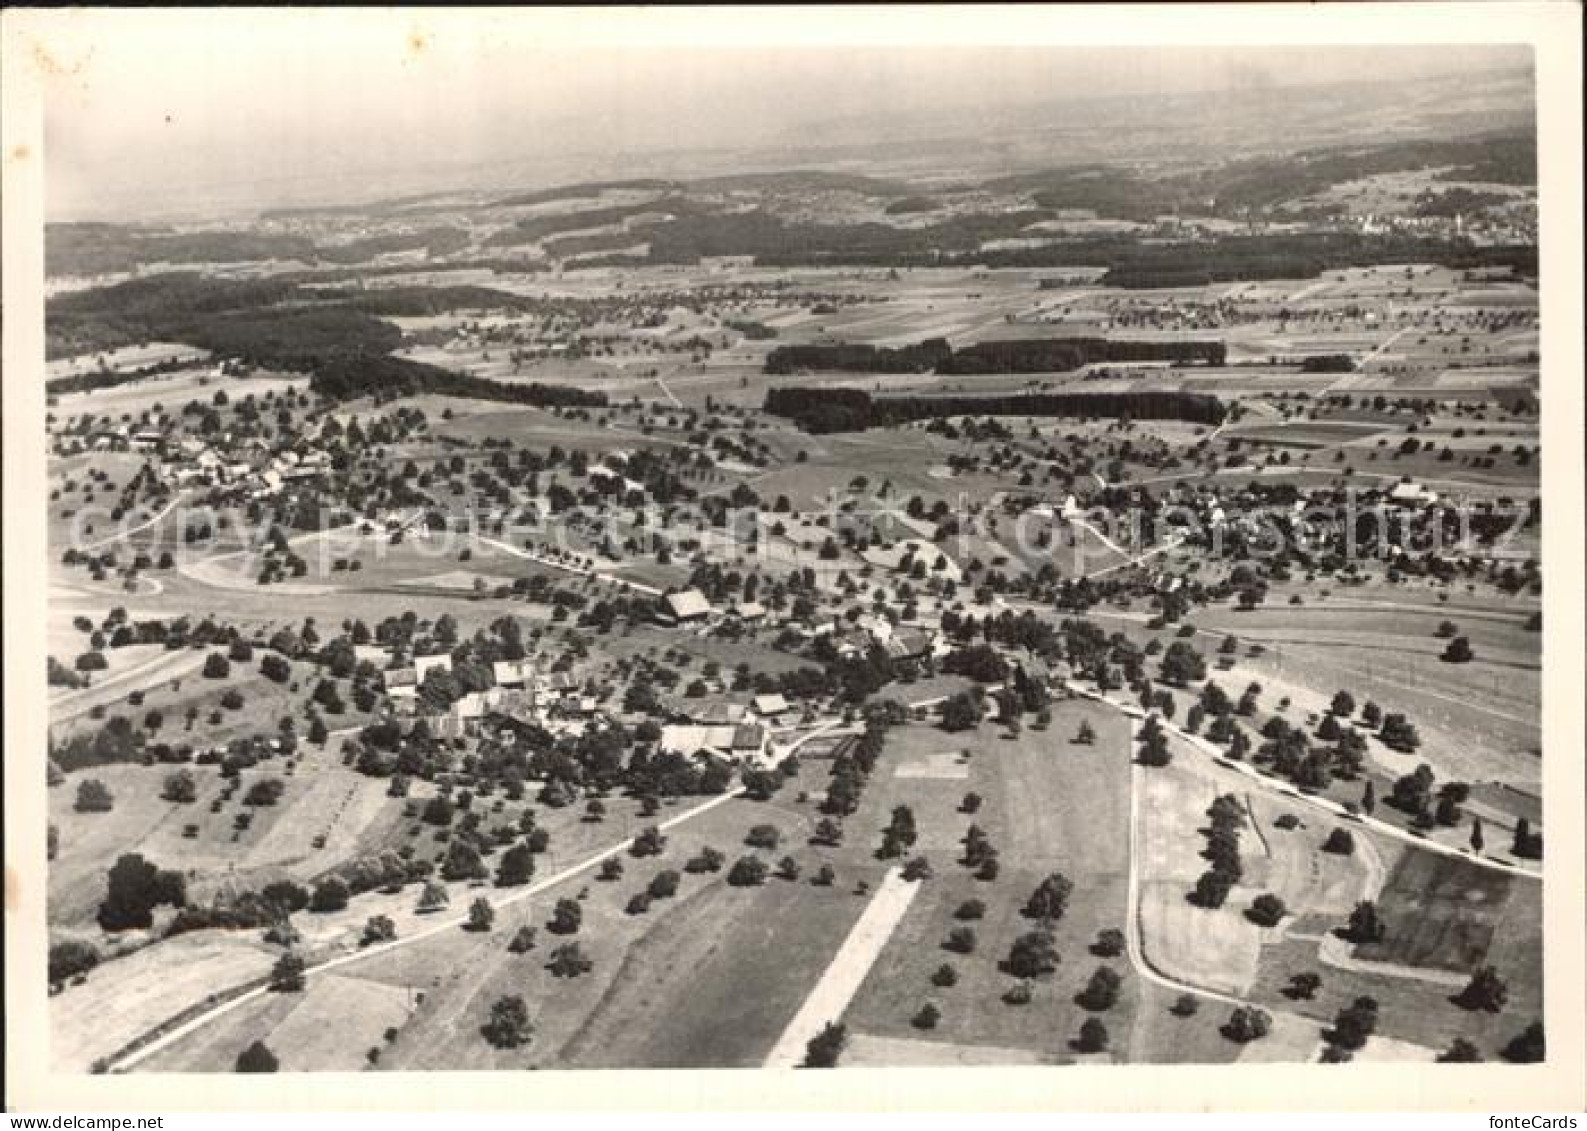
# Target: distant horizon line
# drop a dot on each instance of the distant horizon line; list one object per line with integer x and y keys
{"x": 224, "y": 214}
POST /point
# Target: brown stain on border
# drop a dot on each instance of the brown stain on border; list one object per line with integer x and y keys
{"x": 50, "y": 65}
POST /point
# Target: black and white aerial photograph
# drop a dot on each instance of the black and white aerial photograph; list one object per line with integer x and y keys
{"x": 561, "y": 543}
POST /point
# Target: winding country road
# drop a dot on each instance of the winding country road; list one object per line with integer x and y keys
{"x": 1133, "y": 945}
{"x": 161, "y": 668}
{"x": 580, "y": 571}
{"x": 120, "y": 534}
{"x": 129, "y": 1060}
{"x": 1322, "y": 804}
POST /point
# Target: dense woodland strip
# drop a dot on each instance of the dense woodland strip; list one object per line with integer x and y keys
{"x": 853, "y": 410}
{"x": 270, "y": 324}
{"x": 1041, "y": 355}
{"x": 348, "y": 377}
{"x": 1132, "y": 265}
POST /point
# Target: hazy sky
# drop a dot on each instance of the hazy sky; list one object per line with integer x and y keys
{"x": 151, "y": 112}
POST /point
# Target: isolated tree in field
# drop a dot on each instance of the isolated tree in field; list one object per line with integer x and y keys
{"x": 1340, "y": 842}
{"x": 1102, "y": 991}
{"x": 319, "y": 733}
{"x": 1247, "y": 1023}
{"x": 1087, "y": 734}
{"x": 1369, "y": 799}
{"x": 1343, "y": 705}
{"x": 826, "y": 1047}
{"x": 1526, "y": 845}
{"x": 824, "y": 877}
{"x": 917, "y": 868}
{"x": 481, "y": 915}
{"x": 944, "y": 976}
{"x": 1303, "y": 986}
{"x": 971, "y": 803}
{"x": 763, "y": 836}
{"x": 1020, "y": 993}
{"x": 1354, "y": 1025}
{"x": 569, "y": 961}
{"x": 1109, "y": 944}
{"x": 1460, "y": 1051}
{"x": 517, "y": 867}
{"x": 1266, "y": 910}
{"x": 180, "y": 787}
{"x": 927, "y": 1017}
{"x": 1448, "y": 811}
{"x": 788, "y": 868}
{"x": 462, "y": 861}
{"x": 264, "y": 792}
{"x": 1397, "y": 733}
{"x": 649, "y": 842}
{"x": 828, "y": 832}
{"x": 523, "y": 940}
{"x": 747, "y": 872}
{"x": 1476, "y": 835}
{"x": 1032, "y": 955}
{"x": 977, "y": 847}
{"x": 566, "y": 917}
{"x": 69, "y": 958}
{"x": 257, "y": 1058}
{"x": 94, "y": 797}
{"x": 1413, "y": 792}
{"x": 970, "y": 909}
{"x": 288, "y": 974}
{"x": 1365, "y": 924}
{"x": 509, "y": 1025}
{"x": 1050, "y": 899}
{"x": 1528, "y": 1046}
{"x": 1185, "y": 1005}
{"x": 611, "y": 869}
{"x": 216, "y": 666}
{"x": 901, "y": 829}
{"x": 378, "y": 929}
{"x": 960, "y": 713}
{"x": 708, "y": 859}
{"x": 1485, "y": 991}
{"x": 1093, "y": 1036}
{"x": 133, "y": 889}
{"x": 93, "y": 661}
{"x": 433, "y": 896}
{"x": 961, "y": 940}
{"x": 1458, "y": 651}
